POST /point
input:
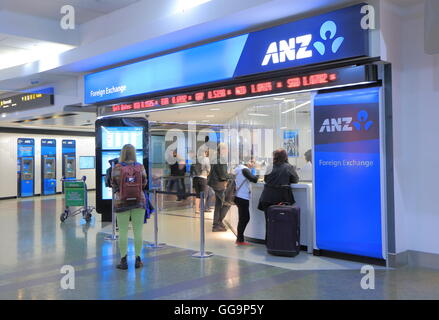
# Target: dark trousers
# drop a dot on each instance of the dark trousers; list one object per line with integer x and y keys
{"x": 181, "y": 188}
{"x": 221, "y": 209}
{"x": 210, "y": 197}
{"x": 244, "y": 217}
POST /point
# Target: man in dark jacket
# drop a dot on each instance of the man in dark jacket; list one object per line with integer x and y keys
{"x": 178, "y": 171}
{"x": 218, "y": 179}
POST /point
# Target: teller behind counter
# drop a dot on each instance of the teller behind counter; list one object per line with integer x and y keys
{"x": 301, "y": 192}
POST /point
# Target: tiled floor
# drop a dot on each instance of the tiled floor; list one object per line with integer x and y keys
{"x": 35, "y": 245}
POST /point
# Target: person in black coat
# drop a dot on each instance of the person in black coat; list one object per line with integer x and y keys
{"x": 278, "y": 180}
{"x": 218, "y": 179}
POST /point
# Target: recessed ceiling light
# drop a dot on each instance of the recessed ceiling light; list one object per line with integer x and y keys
{"x": 205, "y": 120}
{"x": 258, "y": 114}
{"x": 215, "y": 109}
{"x": 297, "y": 107}
{"x": 210, "y": 116}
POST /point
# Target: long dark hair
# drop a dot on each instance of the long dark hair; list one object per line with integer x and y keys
{"x": 280, "y": 156}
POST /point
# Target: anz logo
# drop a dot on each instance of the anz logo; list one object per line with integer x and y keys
{"x": 347, "y": 124}
{"x": 299, "y": 47}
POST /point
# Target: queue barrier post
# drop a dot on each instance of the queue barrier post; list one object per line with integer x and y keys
{"x": 202, "y": 253}
{"x": 156, "y": 244}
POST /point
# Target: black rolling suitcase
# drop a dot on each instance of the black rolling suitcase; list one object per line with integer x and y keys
{"x": 283, "y": 230}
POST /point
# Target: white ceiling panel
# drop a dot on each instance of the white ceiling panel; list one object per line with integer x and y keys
{"x": 86, "y": 10}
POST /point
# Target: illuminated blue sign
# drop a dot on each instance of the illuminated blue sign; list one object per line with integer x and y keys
{"x": 332, "y": 36}
{"x": 348, "y": 172}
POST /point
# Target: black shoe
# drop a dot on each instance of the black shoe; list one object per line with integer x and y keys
{"x": 139, "y": 263}
{"x": 123, "y": 265}
{"x": 219, "y": 229}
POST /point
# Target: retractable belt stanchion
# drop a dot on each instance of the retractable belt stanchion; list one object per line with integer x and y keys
{"x": 113, "y": 235}
{"x": 156, "y": 244}
{"x": 202, "y": 253}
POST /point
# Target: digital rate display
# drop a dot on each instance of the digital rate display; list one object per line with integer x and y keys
{"x": 233, "y": 92}
{"x": 252, "y": 89}
{"x": 25, "y": 101}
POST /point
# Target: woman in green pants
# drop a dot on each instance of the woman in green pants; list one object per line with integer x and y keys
{"x": 129, "y": 180}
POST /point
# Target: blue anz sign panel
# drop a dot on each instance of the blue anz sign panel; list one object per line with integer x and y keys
{"x": 328, "y": 37}
{"x": 348, "y": 172}
{"x": 211, "y": 62}
{"x": 333, "y": 36}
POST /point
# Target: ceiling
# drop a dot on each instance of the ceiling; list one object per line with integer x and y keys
{"x": 256, "y": 111}
{"x": 406, "y": 2}
{"x": 85, "y": 10}
{"x": 220, "y": 113}
{"x": 15, "y": 50}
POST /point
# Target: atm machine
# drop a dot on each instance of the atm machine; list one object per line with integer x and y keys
{"x": 26, "y": 166}
{"x": 69, "y": 159}
{"x": 48, "y": 166}
{"x": 69, "y": 167}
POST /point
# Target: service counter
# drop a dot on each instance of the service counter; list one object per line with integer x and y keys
{"x": 255, "y": 230}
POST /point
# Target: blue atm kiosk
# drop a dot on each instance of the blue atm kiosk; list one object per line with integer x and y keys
{"x": 69, "y": 159}
{"x": 25, "y": 167}
{"x": 48, "y": 166}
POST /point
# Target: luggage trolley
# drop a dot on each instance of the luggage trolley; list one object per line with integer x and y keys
{"x": 75, "y": 193}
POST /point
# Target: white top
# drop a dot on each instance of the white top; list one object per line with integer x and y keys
{"x": 306, "y": 172}
{"x": 244, "y": 191}
{"x": 205, "y": 167}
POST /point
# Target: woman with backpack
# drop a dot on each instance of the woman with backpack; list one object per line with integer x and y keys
{"x": 129, "y": 181}
{"x": 242, "y": 198}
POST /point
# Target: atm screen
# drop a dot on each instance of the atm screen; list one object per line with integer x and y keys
{"x": 49, "y": 165}
{"x": 117, "y": 137}
{"x": 86, "y": 162}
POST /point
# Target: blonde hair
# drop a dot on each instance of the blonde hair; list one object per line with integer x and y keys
{"x": 128, "y": 153}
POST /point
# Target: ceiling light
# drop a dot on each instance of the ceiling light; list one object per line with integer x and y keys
{"x": 297, "y": 107}
{"x": 279, "y": 99}
{"x": 258, "y": 114}
{"x": 210, "y": 116}
{"x": 215, "y": 109}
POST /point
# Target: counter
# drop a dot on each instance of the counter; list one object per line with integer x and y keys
{"x": 255, "y": 230}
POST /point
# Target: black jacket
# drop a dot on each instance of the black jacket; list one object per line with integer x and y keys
{"x": 218, "y": 176}
{"x": 177, "y": 170}
{"x": 277, "y": 186}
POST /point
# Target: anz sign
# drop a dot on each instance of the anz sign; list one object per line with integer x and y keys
{"x": 333, "y": 36}
{"x": 346, "y": 124}
{"x": 286, "y": 50}
{"x": 300, "y": 47}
